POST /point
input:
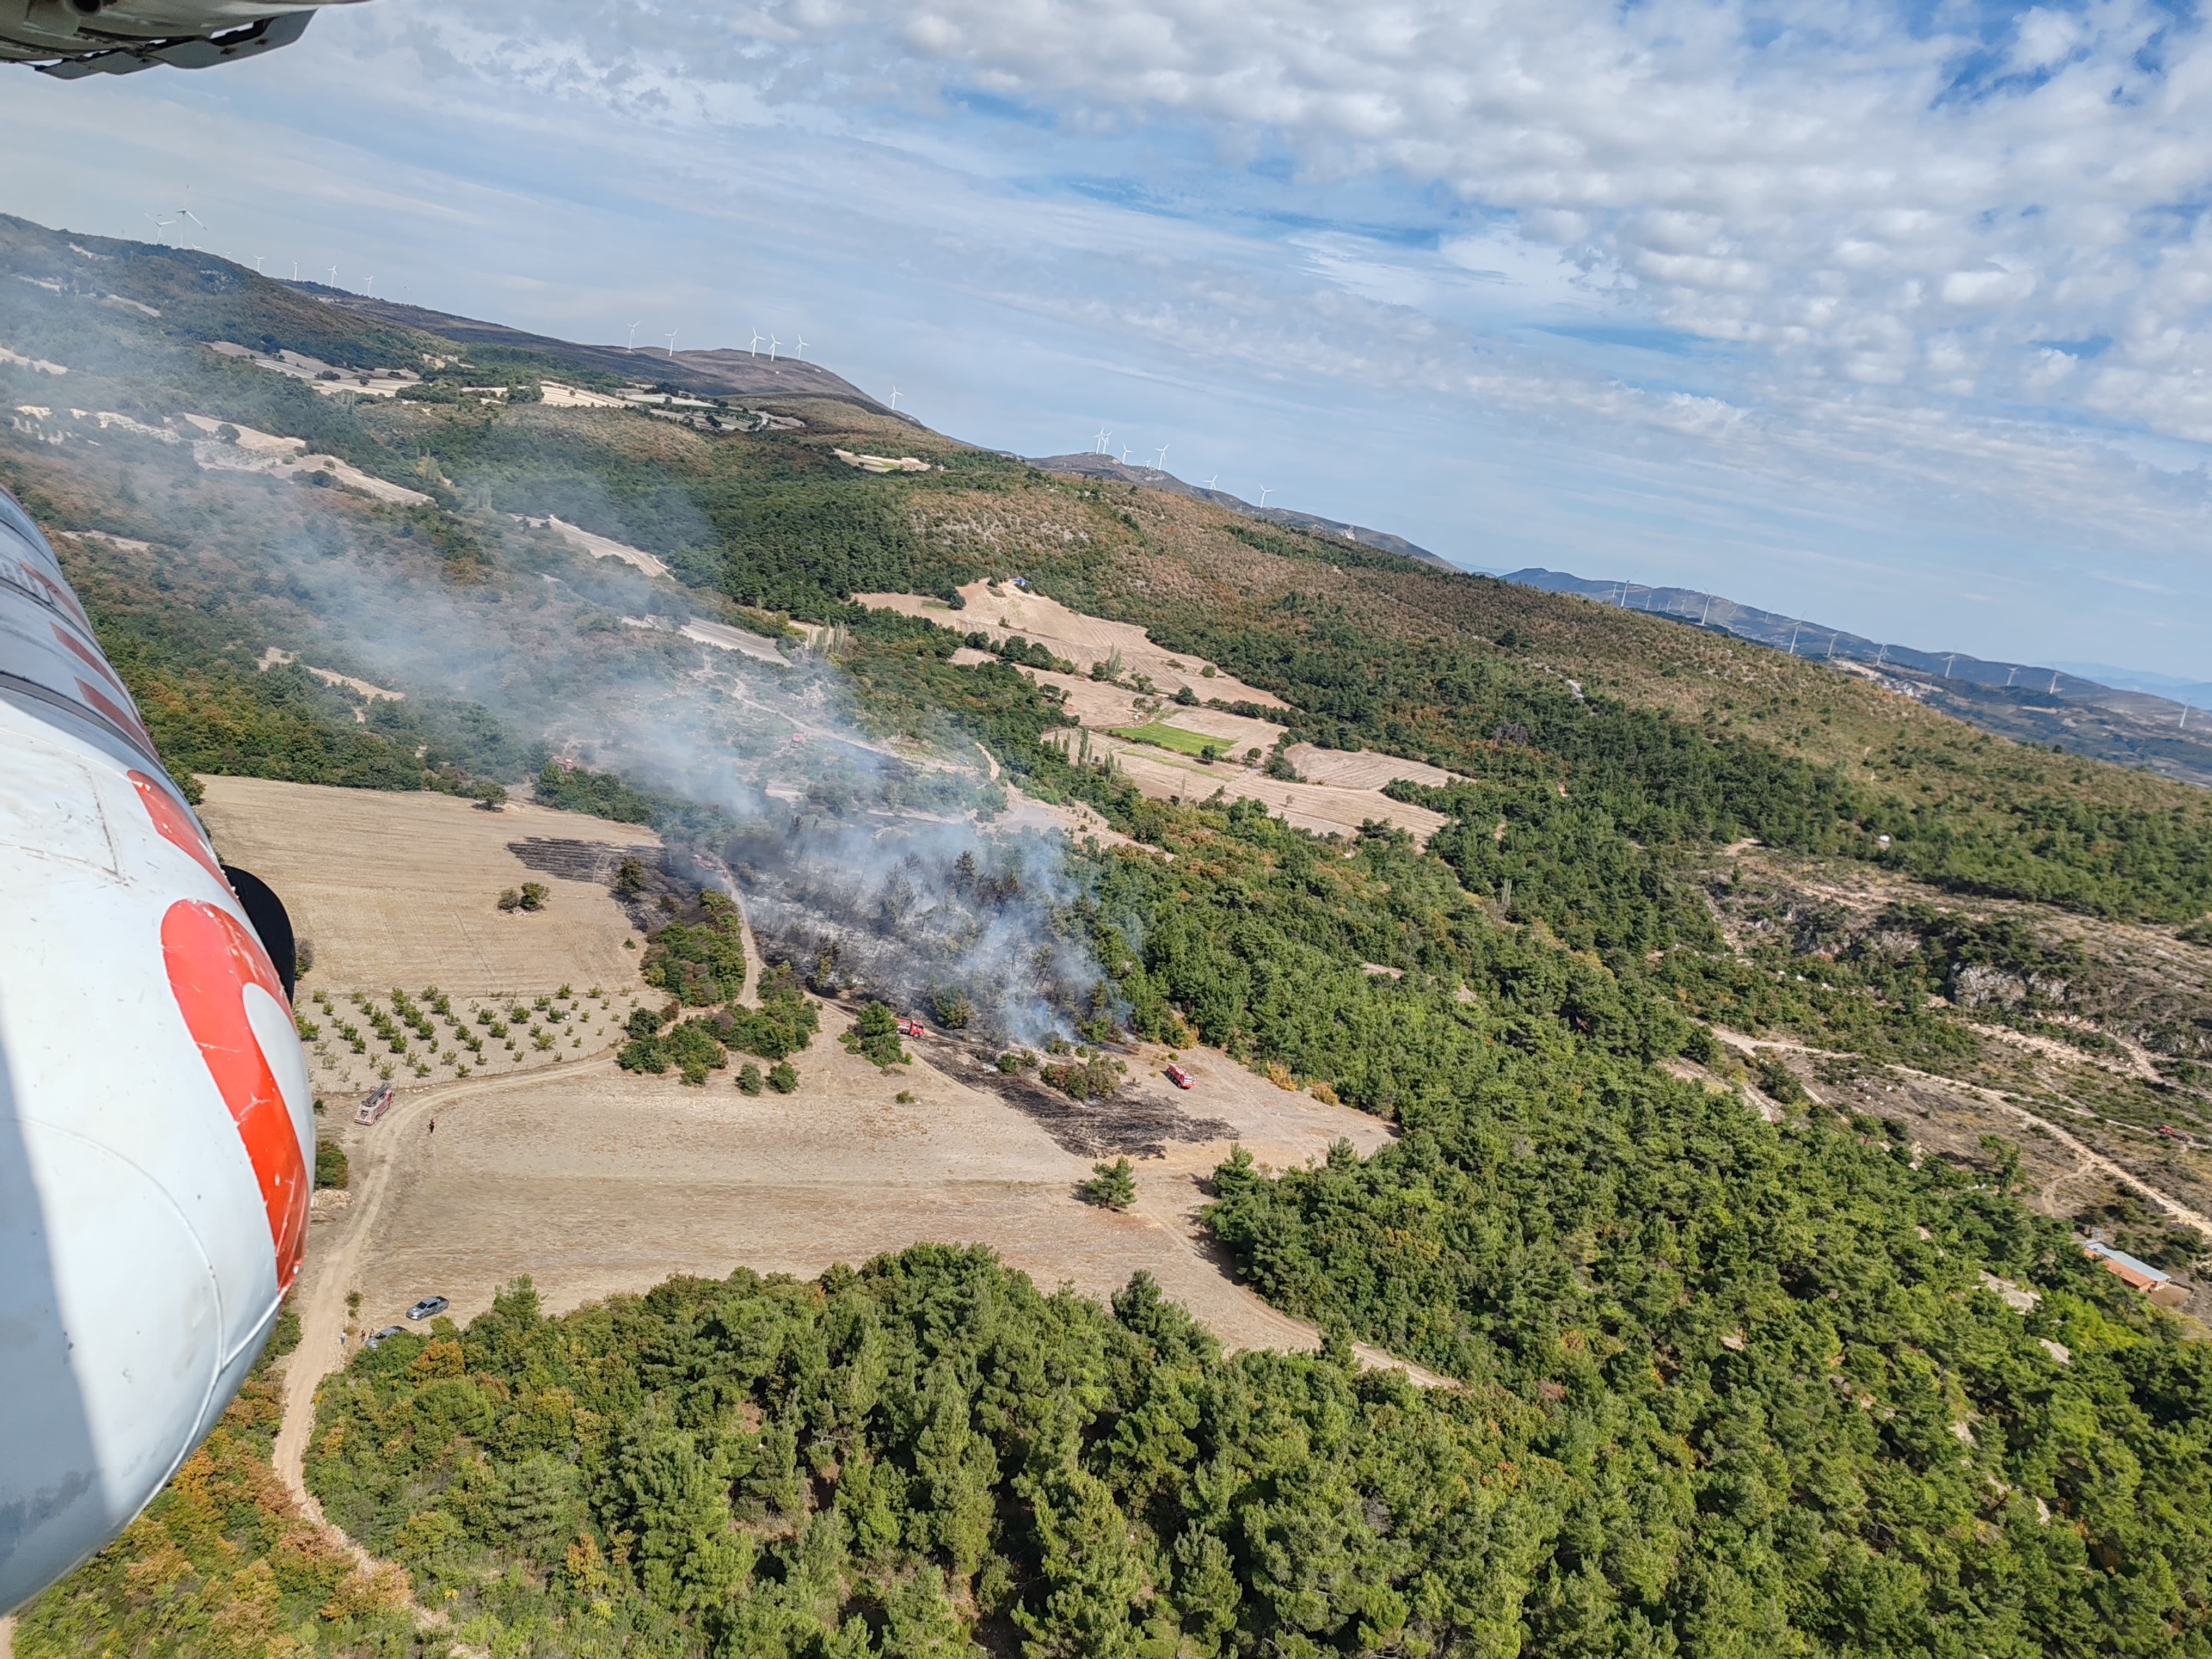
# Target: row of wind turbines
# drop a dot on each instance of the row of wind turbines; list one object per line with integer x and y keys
{"x": 759, "y": 340}
{"x": 183, "y": 215}
{"x": 1100, "y": 444}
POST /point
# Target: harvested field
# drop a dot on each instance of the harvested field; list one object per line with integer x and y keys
{"x": 727, "y": 638}
{"x": 251, "y": 451}
{"x": 1316, "y": 807}
{"x": 600, "y": 547}
{"x": 1361, "y": 769}
{"x": 1082, "y": 639}
{"x": 595, "y": 1181}
{"x": 398, "y": 888}
{"x": 1342, "y": 790}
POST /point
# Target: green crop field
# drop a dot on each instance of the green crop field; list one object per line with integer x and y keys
{"x": 1161, "y": 735}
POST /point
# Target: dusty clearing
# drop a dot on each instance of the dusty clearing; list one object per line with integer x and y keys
{"x": 1317, "y": 807}
{"x": 600, "y": 547}
{"x": 595, "y": 1181}
{"x": 253, "y": 451}
{"x": 1082, "y": 639}
{"x": 400, "y": 889}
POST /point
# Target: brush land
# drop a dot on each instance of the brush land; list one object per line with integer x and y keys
{"x": 1743, "y": 1044}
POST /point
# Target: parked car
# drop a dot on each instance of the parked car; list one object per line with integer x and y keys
{"x": 429, "y": 1307}
{"x": 375, "y": 1337}
{"x": 1181, "y": 1078}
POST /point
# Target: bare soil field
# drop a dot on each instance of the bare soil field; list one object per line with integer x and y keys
{"x": 401, "y": 890}
{"x": 1317, "y": 807}
{"x": 1082, "y": 639}
{"x": 600, "y": 547}
{"x": 595, "y": 1181}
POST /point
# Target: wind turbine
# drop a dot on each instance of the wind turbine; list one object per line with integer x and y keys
{"x": 802, "y": 347}
{"x": 1265, "y": 491}
{"x": 1210, "y": 482}
{"x": 1947, "y": 661}
{"x": 2009, "y": 672}
{"x": 295, "y": 270}
{"x": 1708, "y": 617}
{"x": 2054, "y": 685}
{"x": 1125, "y": 454}
{"x": 1162, "y": 466}
{"x": 370, "y": 287}
{"x": 1882, "y": 655}
{"x": 334, "y": 275}
{"x": 185, "y": 212}
{"x": 894, "y": 395}
{"x": 1793, "y": 627}
{"x": 634, "y": 328}
{"x": 160, "y": 227}
{"x": 773, "y": 343}
{"x": 672, "y": 344}
{"x": 259, "y": 260}
{"x": 1098, "y": 443}
{"x": 756, "y": 345}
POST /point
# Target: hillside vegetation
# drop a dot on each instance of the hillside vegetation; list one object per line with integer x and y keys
{"x": 1729, "y": 1384}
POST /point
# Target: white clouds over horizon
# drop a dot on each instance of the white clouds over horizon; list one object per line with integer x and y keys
{"x": 1818, "y": 304}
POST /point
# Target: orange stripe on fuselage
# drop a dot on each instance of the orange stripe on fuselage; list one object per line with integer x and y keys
{"x": 211, "y": 959}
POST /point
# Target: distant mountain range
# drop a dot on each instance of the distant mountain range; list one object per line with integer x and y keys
{"x": 2045, "y": 703}
{"x": 2197, "y": 694}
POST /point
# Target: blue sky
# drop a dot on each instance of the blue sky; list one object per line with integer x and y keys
{"x": 1894, "y": 317}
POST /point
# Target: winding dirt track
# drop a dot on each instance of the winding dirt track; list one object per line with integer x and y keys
{"x": 2088, "y": 1157}
{"x": 320, "y": 1303}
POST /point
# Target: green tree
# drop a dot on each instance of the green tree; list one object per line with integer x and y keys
{"x": 1112, "y": 1186}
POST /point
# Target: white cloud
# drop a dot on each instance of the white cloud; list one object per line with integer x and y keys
{"x": 1934, "y": 276}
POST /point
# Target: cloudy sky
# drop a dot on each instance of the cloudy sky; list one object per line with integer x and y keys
{"x": 1896, "y": 316}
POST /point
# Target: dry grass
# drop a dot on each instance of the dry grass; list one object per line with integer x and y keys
{"x": 595, "y": 1181}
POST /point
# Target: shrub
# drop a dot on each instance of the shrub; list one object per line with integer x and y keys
{"x": 510, "y": 901}
{"x": 783, "y": 1025}
{"x": 782, "y": 1078}
{"x": 534, "y": 895}
{"x": 331, "y": 1169}
{"x": 1088, "y": 1078}
{"x": 1112, "y": 1186}
{"x": 874, "y": 1036}
{"x": 749, "y": 1078}
{"x": 703, "y": 962}
{"x": 1776, "y": 1077}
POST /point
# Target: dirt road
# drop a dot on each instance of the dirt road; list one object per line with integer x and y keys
{"x": 2086, "y": 1158}
{"x": 334, "y": 1259}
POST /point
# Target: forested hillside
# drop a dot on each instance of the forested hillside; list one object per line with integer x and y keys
{"x": 1746, "y": 1366}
